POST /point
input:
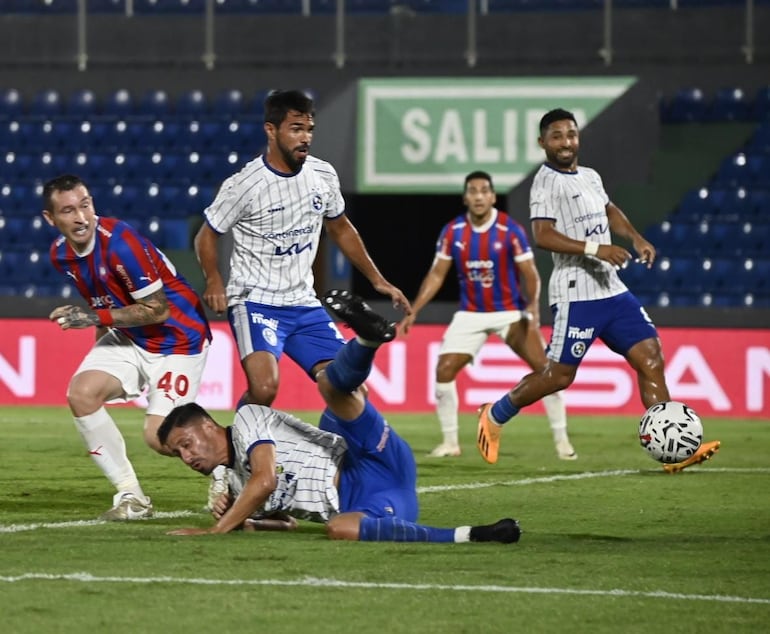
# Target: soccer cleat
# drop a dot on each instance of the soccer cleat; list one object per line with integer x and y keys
{"x": 217, "y": 486}
{"x": 357, "y": 314}
{"x": 488, "y": 439}
{"x": 565, "y": 450}
{"x": 505, "y": 531}
{"x": 126, "y": 506}
{"x": 445, "y": 450}
{"x": 705, "y": 451}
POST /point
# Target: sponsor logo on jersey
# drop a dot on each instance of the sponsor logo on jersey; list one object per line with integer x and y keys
{"x": 597, "y": 230}
{"x": 580, "y": 333}
{"x": 293, "y": 233}
{"x": 273, "y": 210}
{"x": 293, "y": 249}
{"x": 126, "y": 279}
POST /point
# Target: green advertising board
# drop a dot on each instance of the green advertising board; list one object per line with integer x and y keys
{"x": 425, "y": 134}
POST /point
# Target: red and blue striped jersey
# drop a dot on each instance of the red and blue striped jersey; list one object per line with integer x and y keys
{"x": 123, "y": 266}
{"x": 485, "y": 259}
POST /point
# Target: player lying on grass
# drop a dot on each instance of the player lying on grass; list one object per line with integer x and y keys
{"x": 354, "y": 472}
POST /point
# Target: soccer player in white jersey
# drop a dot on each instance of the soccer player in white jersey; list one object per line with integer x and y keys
{"x": 573, "y": 217}
{"x": 499, "y": 294}
{"x": 276, "y": 207}
{"x": 353, "y": 472}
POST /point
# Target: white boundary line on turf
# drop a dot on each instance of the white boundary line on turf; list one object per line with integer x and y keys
{"x": 86, "y": 577}
{"x": 18, "y": 528}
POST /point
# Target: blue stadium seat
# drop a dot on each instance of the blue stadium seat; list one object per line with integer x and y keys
{"x": 729, "y": 104}
{"x": 673, "y": 239}
{"x": 688, "y": 105}
{"x": 46, "y": 104}
{"x": 119, "y": 104}
{"x": 17, "y": 166}
{"x": 757, "y": 275}
{"x": 11, "y": 103}
{"x": 735, "y": 204}
{"x": 192, "y": 105}
{"x": 734, "y": 171}
{"x": 759, "y": 143}
{"x": 82, "y": 103}
{"x": 760, "y": 106}
{"x": 228, "y": 104}
{"x": 698, "y": 204}
{"x": 154, "y": 104}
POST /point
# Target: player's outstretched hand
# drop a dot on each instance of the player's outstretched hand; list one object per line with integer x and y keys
{"x": 73, "y": 317}
{"x": 406, "y": 323}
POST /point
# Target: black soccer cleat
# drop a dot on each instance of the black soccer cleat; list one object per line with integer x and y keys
{"x": 505, "y": 531}
{"x": 357, "y": 314}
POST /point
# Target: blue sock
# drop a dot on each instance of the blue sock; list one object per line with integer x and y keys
{"x": 504, "y": 410}
{"x": 351, "y": 366}
{"x": 393, "y": 529}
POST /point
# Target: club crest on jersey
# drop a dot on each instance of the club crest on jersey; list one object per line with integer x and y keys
{"x": 578, "y": 349}
{"x": 317, "y": 202}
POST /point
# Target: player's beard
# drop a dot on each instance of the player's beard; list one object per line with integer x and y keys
{"x": 564, "y": 163}
{"x": 294, "y": 162}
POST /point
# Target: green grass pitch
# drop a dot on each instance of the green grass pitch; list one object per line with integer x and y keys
{"x": 610, "y": 544}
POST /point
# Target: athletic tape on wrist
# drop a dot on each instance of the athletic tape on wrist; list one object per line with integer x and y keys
{"x": 591, "y": 248}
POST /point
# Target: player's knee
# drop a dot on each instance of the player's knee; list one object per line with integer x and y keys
{"x": 262, "y": 393}
{"x": 336, "y": 529}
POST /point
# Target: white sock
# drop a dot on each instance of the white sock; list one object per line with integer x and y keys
{"x": 447, "y": 403}
{"x": 462, "y": 534}
{"x": 557, "y": 415}
{"x": 106, "y": 446}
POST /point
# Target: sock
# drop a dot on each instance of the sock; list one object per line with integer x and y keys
{"x": 557, "y": 415}
{"x": 351, "y": 365}
{"x": 447, "y": 404}
{"x": 503, "y": 410}
{"x": 393, "y": 529}
{"x": 106, "y": 446}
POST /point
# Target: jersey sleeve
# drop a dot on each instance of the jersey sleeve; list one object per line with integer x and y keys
{"x": 227, "y": 208}
{"x": 542, "y": 196}
{"x": 334, "y": 205}
{"x": 131, "y": 264}
{"x": 520, "y": 246}
{"x": 251, "y": 427}
{"x": 443, "y": 244}
{"x": 596, "y": 182}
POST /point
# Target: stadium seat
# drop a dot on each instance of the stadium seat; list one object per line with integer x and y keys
{"x": 46, "y": 104}
{"x": 729, "y": 104}
{"x": 154, "y": 104}
{"x": 192, "y": 105}
{"x": 760, "y": 106}
{"x": 11, "y": 103}
{"x": 698, "y": 204}
{"x": 734, "y": 204}
{"x": 734, "y": 171}
{"x": 228, "y": 104}
{"x": 82, "y": 104}
{"x": 688, "y": 105}
{"x": 119, "y": 104}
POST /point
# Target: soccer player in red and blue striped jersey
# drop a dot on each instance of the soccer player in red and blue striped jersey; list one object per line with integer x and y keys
{"x": 499, "y": 294}
{"x": 151, "y": 331}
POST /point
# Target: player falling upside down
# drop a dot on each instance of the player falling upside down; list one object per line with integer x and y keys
{"x": 499, "y": 294}
{"x": 151, "y": 331}
{"x": 354, "y": 472}
{"x": 573, "y": 217}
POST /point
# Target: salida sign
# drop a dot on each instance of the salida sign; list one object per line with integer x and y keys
{"x": 718, "y": 372}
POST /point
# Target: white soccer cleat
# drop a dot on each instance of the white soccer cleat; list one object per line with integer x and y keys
{"x": 219, "y": 485}
{"x": 565, "y": 450}
{"x": 126, "y": 506}
{"x": 445, "y": 450}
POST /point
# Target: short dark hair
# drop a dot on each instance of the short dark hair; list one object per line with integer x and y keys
{"x": 278, "y": 103}
{"x": 181, "y": 416}
{"x": 63, "y": 183}
{"x": 479, "y": 174}
{"x": 558, "y": 114}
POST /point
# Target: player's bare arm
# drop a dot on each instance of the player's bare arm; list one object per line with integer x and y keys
{"x": 253, "y": 496}
{"x": 531, "y": 279}
{"x": 547, "y": 237}
{"x": 620, "y": 225}
{"x": 152, "y": 309}
{"x": 431, "y": 283}
{"x": 205, "y": 243}
{"x": 273, "y": 522}
{"x": 347, "y": 238}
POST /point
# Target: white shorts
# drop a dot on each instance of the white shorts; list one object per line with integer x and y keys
{"x": 468, "y": 331}
{"x": 170, "y": 379}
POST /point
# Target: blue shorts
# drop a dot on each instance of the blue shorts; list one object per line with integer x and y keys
{"x": 620, "y": 322}
{"x": 378, "y": 475}
{"x": 305, "y": 333}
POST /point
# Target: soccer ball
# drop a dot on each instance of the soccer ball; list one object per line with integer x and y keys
{"x": 670, "y": 431}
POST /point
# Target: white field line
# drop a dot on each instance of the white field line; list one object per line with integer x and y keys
{"x": 336, "y": 583}
{"x": 18, "y": 528}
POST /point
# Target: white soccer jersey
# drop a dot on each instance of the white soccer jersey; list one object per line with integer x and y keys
{"x": 276, "y": 220}
{"x": 306, "y": 460}
{"x": 577, "y": 202}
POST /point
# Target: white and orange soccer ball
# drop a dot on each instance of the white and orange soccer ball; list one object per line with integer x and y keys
{"x": 670, "y": 432}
